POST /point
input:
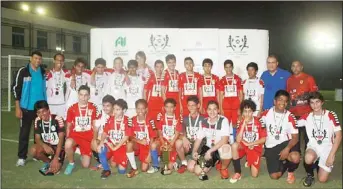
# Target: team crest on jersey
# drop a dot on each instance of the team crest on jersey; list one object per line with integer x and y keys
{"x": 319, "y": 135}
{"x": 90, "y": 112}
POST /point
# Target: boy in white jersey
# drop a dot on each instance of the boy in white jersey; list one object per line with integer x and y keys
{"x": 56, "y": 86}
{"x": 143, "y": 69}
{"x": 134, "y": 87}
{"x": 98, "y": 81}
{"x": 253, "y": 88}
{"x": 325, "y": 136}
{"x": 282, "y": 149}
{"x": 115, "y": 83}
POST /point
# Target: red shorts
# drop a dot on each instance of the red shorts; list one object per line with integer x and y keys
{"x": 253, "y": 156}
{"x": 119, "y": 156}
{"x": 173, "y": 153}
{"x": 143, "y": 152}
{"x": 231, "y": 115}
{"x": 84, "y": 145}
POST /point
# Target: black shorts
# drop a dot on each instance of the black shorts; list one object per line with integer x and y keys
{"x": 62, "y": 153}
{"x": 215, "y": 156}
{"x": 274, "y": 165}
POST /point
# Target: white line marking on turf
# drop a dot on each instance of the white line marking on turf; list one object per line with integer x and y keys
{"x": 15, "y": 141}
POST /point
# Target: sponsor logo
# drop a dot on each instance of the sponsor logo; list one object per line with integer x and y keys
{"x": 237, "y": 45}
{"x": 120, "y": 48}
{"x": 159, "y": 44}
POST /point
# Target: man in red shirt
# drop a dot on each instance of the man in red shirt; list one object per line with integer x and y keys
{"x": 208, "y": 85}
{"x": 188, "y": 84}
{"x": 231, "y": 95}
{"x": 170, "y": 84}
{"x": 80, "y": 123}
{"x": 153, "y": 91}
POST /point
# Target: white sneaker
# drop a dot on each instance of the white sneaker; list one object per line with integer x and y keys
{"x": 20, "y": 162}
{"x": 176, "y": 166}
{"x": 152, "y": 170}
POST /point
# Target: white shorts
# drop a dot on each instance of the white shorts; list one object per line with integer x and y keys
{"x": 59, "y": 110}
{"x": 322, "y": 154}
{"x": 130, "y": 112}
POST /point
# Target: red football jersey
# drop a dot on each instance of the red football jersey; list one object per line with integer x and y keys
{"x": 188, "y": 85}
{"x": 168, "y": 125}
{"x": 299, "y": 88}
{"x": 170, "y": 82}
{"x": 208, "y": 87}
{"x": 117, "y": 129}
{"x": 252, "y": 132}
{"x": 142, "y": 130}
{"x": 82, "y": 120}
{"x": 154, "y": 92}
{"x": 231, "y": 86}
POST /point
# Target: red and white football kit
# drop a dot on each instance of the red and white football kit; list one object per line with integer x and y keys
{"x": 252, "y": 132}
{"x": 154, "y": 96}
{"x": 168, "y": 125}
{"x": 134, "y": 92}
{"x": 299, "y": 87}
{"x": 55, "y": 91}
{"x": 253, "y": 89}
{"x": 115, "y": 84}
{"x": 83, "y": 79}
{"x": 144, "y": 73}
{"x": 98, "y": 89}
{"x": 188, "y": 86}
{"x": 208, "y": 85}
{"x": 143, "y": 130}
{"x": 171, "y": 84}
{"x": 81, "y": 131}
{"x": 231, "y": 86}
{"x": 116, "y": 130}
{"x": 321, "y": 130}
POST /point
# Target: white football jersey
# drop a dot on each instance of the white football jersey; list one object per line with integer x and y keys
{"x": 98, "y": 90}
{"x": 133, "y": 90}
{"x": 253, "y": 89}
{"x": 115, "y": 85}
{"x": 56, "y": 86}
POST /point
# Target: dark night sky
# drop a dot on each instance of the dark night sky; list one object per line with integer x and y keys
{"x": 289, "y": 24}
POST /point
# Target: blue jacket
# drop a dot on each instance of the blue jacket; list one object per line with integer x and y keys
{"x": 22, "y": 84}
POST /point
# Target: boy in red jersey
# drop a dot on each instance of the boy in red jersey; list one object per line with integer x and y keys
{"x": 113, "y": 140}
{"x": 80, "y": 123}
{"x": 188, "y": 84}
{"x": 169, "y": 128}
{"x": 250, "y": 138}
{"x": 170, "y": 85}
{"x": 153, "y": 91}
{"x": 208, "y": 85}
{"x": 231, "y": 95}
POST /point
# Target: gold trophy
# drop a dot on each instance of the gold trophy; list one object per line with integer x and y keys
{"x": 165, "y": 159}
{"x": 202, "y": 164}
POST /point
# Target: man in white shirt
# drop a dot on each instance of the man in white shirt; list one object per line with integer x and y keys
{"x": 282, "y": 149}
{"x": 324, "y": 132}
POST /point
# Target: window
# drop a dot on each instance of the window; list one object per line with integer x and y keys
{"x": 77, "y": 44}
{"x": 42, "y": 40}
{"x": 18, "y": 37}
{"x": 60, "y": 40}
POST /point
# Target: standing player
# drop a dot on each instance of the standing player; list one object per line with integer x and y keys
{"x": 231, "y": 95}
{"x": 113, "y": 140}
{"x": 49, "y": 137}
{"x": 188, "y": 84}
{"x": 169, "y": 127}
{"x": 170, "y": 86}
{"x": 250, "y": 138}
{"x": 208, "y": 85}
{"x": 142, "y": 141}
{"x": 282, "y": 147}
{"x": 79, "y": 76}
{"x": 143, "y": 69}
{"x": 253, "y": 88}
{"x": 153, "y": 91}
{"x": 98, "y": 82}
{"x": 134, "y": 87}
{"x": 325, "y": 136}
{"x": 56, "y": 87}
{"x": 80, "y": 123}
{"x": 115, "y": 83}
{"x": 217, "y": 131}
{"x": 190, "y": 126}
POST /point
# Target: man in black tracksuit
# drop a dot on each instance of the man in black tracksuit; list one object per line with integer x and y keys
{"x": 28, "y": 88}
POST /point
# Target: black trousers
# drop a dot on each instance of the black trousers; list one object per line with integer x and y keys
{"x": 24, "y": 134}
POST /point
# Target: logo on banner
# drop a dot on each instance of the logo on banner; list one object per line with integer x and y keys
{"x": 120, "y": 47}
{"x": 160, "y": 44}
{"x": 238, "y": 44}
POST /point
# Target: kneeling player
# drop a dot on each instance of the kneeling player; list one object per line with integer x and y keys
{"x": 169, "y": 127}
{"x": 107, "y": 109}
{"x": 49, "y": 137}
{"x": 282, "y": 146}
{"x": 217, "y": 131}
{"x": 325, "y": 136}
{"x": 250, "y": 138}
{"x": 113, "y": 140}
{"x": 190, "y": 125}
{"x": 142, "y": 141}
{"x": 80, "y": 123}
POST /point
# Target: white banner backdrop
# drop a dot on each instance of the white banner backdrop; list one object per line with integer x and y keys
{"x": 240, "y": 45}
{"x": 243, "y": 47}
